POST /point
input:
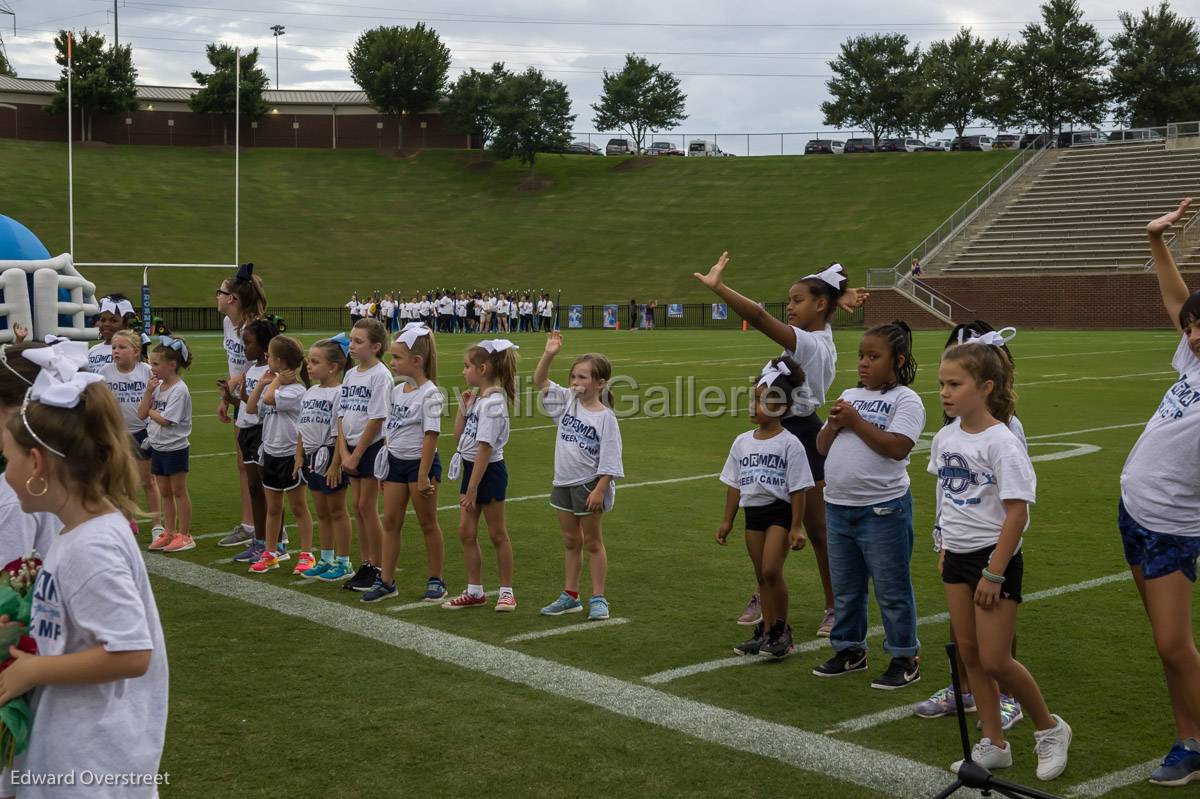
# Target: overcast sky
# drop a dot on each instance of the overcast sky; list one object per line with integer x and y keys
{"x": 746, "y": 67}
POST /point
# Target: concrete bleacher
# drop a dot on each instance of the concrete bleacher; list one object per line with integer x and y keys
{"x": 1083, "y": 210}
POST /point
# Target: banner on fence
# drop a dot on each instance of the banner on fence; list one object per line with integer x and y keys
{"x": 610, "y": 316}
{"x": 675, "y": 310}
{"x": 575, "y": 316}
{"x": 720, "y": 311}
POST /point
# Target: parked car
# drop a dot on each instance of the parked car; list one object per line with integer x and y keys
{"x": 825, "y": 146}
{"x": 620, "y": 147}
{"x": 977, "y": 142}
{"x": 938, "y": 145}
{"x": 900, "y": 145}
{"x": 663, "y": 148}
{"x": 860, "y": 145}
{"x": 1137, "y": 134}
{"x": 1006, "y": 141}
{"x": 1076, "y": 138}
{"x": 704, "y": 148}
{"x": 583, "y": 148}
{"x": 1032, "y": 139}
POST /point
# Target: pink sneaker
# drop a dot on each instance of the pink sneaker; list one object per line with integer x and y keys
{"x": 826, "y": 624}
{"x": 305, "y": 562}
{"x": 266, "y": 561}
{"x": 161, "y": 541}
{"x": 179, "y": 543}
{"x": 465, "y": 600}
{"x": 506, "y": 603}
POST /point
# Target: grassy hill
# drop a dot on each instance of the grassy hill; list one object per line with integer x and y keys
{"x": 321, "y": 223}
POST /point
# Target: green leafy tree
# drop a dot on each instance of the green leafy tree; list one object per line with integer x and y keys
{"x": 533, "y": 115}
{"x": 959, "y": 81}
{"x": 471, "y": 103}
{"x": 873, "y": 83}
{"x": 640, "y": 98}
{"x": 1056, "y": 73}
{"x": 402, "y": 70}
{"x": 218, "y": 92}
{"x": 6, "y": 68}
{"x": 1155, "y": 75}
{"x": 103, "y": 80}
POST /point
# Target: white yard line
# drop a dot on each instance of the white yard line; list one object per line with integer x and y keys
{"x": 812, "y": 752}
{"x": 573, "y": 628}
{"x": 1117, "y": 779}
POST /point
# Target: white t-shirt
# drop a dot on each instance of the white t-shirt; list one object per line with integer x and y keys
{"x": 460, "y": 307}
{"x": 318, "y": 417}
{"x": 1018, "y": 430}
{"x": 245, "y": 418}
{"x": 426, "y": 308}
{"x": 502, "y": 307}
{"x": 413, "y": 414}
{"x": 129, "y": 388}
{"x": 548, "y": 308}
{"x": 976, "y": 472}
{"x": 816, "y": 354}
{"x": 175, "y": 405}
{"x": 281, "y": 421}
{"x": 21, "y": 533}
{"x": 587, "y": 443}
{"x": 766, "y": 471}
{"x": 487, "y": 421}
{"x": 366, "y": 395}
{"x": 93, "y": 590}
{"x": 1160, "y": 483}
{"x": 98, "y": 357}
{"x": 855, "y": 474}
{"x": 235, "y": 350}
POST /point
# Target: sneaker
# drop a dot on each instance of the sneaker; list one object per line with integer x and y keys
{"x": 1010, "y": 712}
{"x": 161, "y": 539}
{"x": 435, "y": 590}
{"x": 251, "y": 553}
{"x": 281, "y": 552}
{"x": 778, "y": 646}
{"x": 597, "y": 608}
{"x": 265, "y": 563}
{"x": 900, "y": 672}
{"x": 843, "y": 662}
{"x": 380, "y": 590}
{"x": 826, "y": 627}
{"x": 363, "y": 579}
{"x": 465, "y": 600}
{"x": 305, "y": 562}
{"x": 942, "y": 704}
{"x": 237, "y": 537}
{"x": 988, "y": 755}
{"x": 319, "y": 569}
{"x": 564, "y": 604}
{"x": 752, "y": 615}
{"x": 506, "y": 603}
{"x": 157, "y": 531}
{"x": 180, "y": 542}
{"x": 754, "y": 645}
{"x": 337, "y": 571}
{"x": 1051, "y": 748}
{"x": 1179, "y": 767}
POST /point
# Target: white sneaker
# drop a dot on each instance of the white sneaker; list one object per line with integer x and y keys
{"x": 1051, "y": 748}
{"x": 988, "y": 755}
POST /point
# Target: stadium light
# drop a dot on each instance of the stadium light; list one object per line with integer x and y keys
{"x": 278, "y": 31}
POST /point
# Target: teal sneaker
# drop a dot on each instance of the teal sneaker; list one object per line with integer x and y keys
{"x": 564, "y": 604}
{"x": 316, "y": 571}
{"x": 597, "y": 608}
{"x": 338, "y": 572}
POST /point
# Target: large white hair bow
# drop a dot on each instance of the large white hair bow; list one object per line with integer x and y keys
{"x": 411, "y": 332}
{"x": 772, "y": 372}
{"x": 494, "y": 345}
{"x": 834, "y": 276}
{"x": 993, "y": 338}
{"x": 118, "y": 308}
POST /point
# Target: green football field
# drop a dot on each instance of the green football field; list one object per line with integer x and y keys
{"x": 284, "y": 687}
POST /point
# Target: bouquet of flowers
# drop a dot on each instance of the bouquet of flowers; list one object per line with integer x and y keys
{"x": 16, "y": 602}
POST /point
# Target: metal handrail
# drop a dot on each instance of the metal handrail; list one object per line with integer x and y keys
{"x": 1187, "y": 238}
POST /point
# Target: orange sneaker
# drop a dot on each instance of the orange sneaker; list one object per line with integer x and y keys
{"x": 305, "y": 562}
{"x": 161, "y": 540}
{"x": 179, "y": 543}
{"x": 266, "y": 561}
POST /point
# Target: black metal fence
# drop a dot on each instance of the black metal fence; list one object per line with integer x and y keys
{"x": 680, "y": 316}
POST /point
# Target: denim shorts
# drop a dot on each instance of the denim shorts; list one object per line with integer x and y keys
{"x": 1159, "y": 554}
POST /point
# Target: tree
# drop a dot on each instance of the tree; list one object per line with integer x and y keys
{"x": 1057, "y": 71}
{"x": 103, "y": 81}
{"x": 639, "y": 98}
{"x": 533, "y": 115}
{"x": 471, "y": 102}
{"x": 959, "y": 81}
{"x": 1156, "y": 68}
{"x": 402, "y": 70}
{"x": 218, "y": 92}
{"x": 6, "y": 69}
{"x": 872, "y": 84}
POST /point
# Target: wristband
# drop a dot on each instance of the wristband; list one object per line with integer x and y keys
{"x": 992, "y": 578}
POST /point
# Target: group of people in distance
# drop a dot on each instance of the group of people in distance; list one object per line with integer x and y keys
{"x": 454, "y": 311}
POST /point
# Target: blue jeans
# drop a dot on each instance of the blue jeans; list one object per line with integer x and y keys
{"x": 873, "y": 542}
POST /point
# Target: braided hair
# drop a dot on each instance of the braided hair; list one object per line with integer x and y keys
{"x": 898, "y": 335}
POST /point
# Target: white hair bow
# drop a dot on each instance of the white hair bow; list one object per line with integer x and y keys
{"x": 834, "y": 276}
{"x": 52, "y": 339}
{"x": 60, "y": 383}
{"x": 494, "y": 345}
{"x": 411, "y": 332}
{"x": 116, "y": 307}
{"x": 772, "y": 372}
{"x": 993, "y": 338}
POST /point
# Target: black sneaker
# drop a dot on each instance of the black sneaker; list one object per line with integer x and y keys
{"x": 843, "y": 662}
{"x": 901, "y": 672}
{"x": 362, "y": 580}
{"x": 755, "y": 644}
{"x": 779, "y": 643}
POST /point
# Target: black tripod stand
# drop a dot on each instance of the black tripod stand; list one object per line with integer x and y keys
{"x": 970, "y": 773}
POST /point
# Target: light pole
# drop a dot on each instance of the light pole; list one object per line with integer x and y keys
{"x": 277, "y": 30}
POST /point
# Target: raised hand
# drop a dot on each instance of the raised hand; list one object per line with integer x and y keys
{"x": 1163, "y": 223}
{"x": 712, "y": 278}
{"x": 554, "y": 343}
{"x": 853, "y": 299}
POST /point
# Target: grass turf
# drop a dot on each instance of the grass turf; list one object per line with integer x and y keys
{"x": 263, "y": 704}
{"x": 336, "y": 221}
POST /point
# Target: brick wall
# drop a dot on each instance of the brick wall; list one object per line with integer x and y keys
{"x": 1063, "y": 301}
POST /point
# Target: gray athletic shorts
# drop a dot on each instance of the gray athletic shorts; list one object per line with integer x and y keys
{"x": 573, "y": 499}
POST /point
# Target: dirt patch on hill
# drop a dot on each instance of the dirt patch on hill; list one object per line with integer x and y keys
{"x": 635, "y": 163}
{"x": 533, "y": 184}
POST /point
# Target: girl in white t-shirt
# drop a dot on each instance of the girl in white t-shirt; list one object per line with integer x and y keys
{"x": 127, "y": 377}
{"x": 167, "y": 409}
{"x": 99, "y": 679}
{"x": 482, "y": 429}
{"x": 116, "y": 313}
{"x": 1159, "y": 514}
{"x": 985, "y": 486}
{"x": 866, "y": 441}
{"x": 806, "y": 337}
{"x": 768, "y": 476}
{"x": 277, "y": 400}
{"x": 587, "y": 464}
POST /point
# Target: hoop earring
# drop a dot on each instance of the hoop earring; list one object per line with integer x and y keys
{"x": 32, "y": 493}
